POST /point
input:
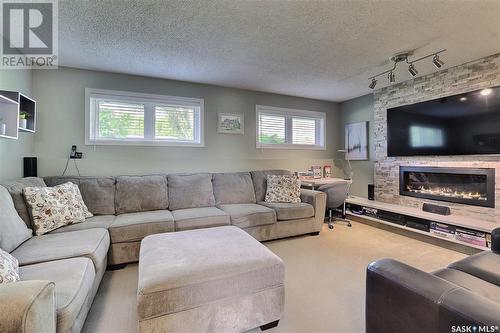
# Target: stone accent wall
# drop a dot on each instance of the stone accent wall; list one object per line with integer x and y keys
{"x": 468, "y": 77}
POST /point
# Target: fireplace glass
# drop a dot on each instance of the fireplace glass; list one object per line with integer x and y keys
{"x": 461, "y": 185}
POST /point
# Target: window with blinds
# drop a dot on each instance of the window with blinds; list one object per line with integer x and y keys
{"x": 121, "y": 118}
{"x": 290, "y": 128}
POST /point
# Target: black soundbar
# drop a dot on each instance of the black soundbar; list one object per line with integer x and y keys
{"x": 435, "y": 209}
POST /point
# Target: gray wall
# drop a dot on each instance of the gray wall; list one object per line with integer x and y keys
{"x": 13, "y": 151}
{"x": 352, "y": 111}
{"x": 61, "y": 105}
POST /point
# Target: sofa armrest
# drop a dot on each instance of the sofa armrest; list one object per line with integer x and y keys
{"x": 495, "y": 240}
{"x": 318, "y": 200}
{"x": 401, "y": 298}
{"x": 27, "y": 307}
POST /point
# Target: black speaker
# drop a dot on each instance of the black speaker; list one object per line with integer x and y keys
{"x": 371, "y": 192}
{"x": 441, "y": 210}
{"x": 30, "y": 169}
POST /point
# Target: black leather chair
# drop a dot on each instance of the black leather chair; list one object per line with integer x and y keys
{"x": 401, "y": 298}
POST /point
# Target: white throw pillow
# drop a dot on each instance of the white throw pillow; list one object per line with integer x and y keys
{"x": 9, "y": 268}
{"x": 283, "y": 188}
{"x": 55, "y": 207}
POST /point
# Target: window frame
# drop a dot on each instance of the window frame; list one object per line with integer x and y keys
{"x": 150, "y": 101}
{"x": 289, "y": 114}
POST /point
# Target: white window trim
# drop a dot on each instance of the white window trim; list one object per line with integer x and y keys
{"x": 289, "y": 113}
{"x": 148, "y": 100}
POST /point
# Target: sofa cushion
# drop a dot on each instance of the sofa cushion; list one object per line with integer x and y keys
{"x": 98, "y": 192}
{"x": 13, "y": 231}
{"x": 249, "y": 215}
{"x": 15, "y": 189}
{"x": 73, "y": 280}
{"x": 99, "y": 221}
{"x": 196, "y": 218}
{"x": 484, "y": 265}
{"x": 140, "y": 193}
{"x": 91, "y": 243}
{"x": 259, "y": 179}
{"x": 290, "y": 211}
{"x": 233, "y": 188}
{"x": 470, "y": 282}
{"x": 190, "y": 191}
{"x": 135, "y": 226}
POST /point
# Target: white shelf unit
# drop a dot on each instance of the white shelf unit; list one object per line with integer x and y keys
{"x": 21, "y": 103}
{"x": 9, "y": 114}
{"x": 454, "y": 220}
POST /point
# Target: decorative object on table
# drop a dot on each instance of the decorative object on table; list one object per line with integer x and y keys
{"x": 282, "y": 188}
{"x": 3, "y": 127}
{"x": 327, "y": 171}
{"x": 356, "y": 141}
{"x": 23, "y": 119}
{"x": 305, "y": 174}
{"x": 230, "y": 123}
{"x": 317, "y": 173}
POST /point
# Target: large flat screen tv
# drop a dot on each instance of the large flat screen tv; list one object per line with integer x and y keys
{"x": 464, "y": 124}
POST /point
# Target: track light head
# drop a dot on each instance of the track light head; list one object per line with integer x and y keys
{"x": 413, "y": 71}
{"x": 437, "y": 62}
{"x": 373, "y": 84}
{"x": 391, "y": 76}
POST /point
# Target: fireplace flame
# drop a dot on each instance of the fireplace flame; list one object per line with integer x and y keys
{"x": 447, "y": 192}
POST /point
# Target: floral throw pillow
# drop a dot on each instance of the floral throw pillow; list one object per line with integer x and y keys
{"x": 72, "y": 194}
{"x": 55, "y": 207}
{"x": 9, "y": 268}
{"x": 282, "y": 188}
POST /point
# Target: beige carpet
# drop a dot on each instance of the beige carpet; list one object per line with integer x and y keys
{"x": 325, "y": 280}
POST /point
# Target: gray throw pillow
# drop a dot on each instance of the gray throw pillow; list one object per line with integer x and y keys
{"x": 190, "y": 191}
{"x": 13, "y": 231}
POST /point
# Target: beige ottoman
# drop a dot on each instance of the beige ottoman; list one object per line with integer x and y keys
{"x": 208, "y": 280}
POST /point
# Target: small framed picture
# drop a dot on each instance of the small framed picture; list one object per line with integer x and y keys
{"x": 230, "y": 123}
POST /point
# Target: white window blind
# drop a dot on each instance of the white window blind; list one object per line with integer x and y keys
{"x": 119, "y": 120}
{"x": 124, "y": 118}
{"x": 304, "y": 131}
{"x": 174, "y": 122}
{"x": 272, "y": 129}
{"x": 290, "y": 128}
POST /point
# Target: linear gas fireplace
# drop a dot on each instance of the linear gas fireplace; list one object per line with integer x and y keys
{"x": 461, "y": 185}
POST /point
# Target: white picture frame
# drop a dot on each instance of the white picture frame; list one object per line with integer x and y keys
{"x": 230, "y": 123}
{"x": 356, "y": 141}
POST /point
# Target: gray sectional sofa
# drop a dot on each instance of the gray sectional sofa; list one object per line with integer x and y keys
{"x": 62, "y": 270}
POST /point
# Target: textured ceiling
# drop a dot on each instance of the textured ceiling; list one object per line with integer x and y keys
{"x": 317, "y": 49}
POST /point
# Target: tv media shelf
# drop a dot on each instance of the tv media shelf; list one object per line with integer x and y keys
{"x": 404, "y": 211}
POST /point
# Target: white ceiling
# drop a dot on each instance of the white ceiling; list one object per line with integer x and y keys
{"x": 317, "y": 49}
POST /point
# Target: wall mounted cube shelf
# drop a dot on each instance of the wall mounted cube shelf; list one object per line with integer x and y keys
{"x": 12, "y": 104}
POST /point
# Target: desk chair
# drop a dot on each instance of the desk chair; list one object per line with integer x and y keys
{"x": 336, "y": 194}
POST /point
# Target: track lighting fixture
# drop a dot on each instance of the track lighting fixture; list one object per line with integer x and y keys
{"x": 413, "y": 71}
{"x": 403, "y": 56}
{"x": 437, "y": 62}
{"x": 391, "y": 76}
